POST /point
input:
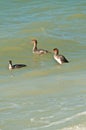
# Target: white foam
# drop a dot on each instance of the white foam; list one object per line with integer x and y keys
{"x": 32, "y": 119}
{"x": 47, "y": 117}
{"x": 14, "y": 105}
{"x": 66, "y": 119}
{"x": 63, "y": 121}
{"x": 79, "y": 127}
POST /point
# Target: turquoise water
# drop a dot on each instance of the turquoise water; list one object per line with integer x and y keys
{"x": 44, "y": 95}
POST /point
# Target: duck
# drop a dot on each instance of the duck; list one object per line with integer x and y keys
{"x": 36, "y": 50}
{"x": 16, "y": 66}
{"x": 59, "y": 58}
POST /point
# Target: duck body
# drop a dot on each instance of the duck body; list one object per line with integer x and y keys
{"x": 38, "y": 51}
{"x": 59, "y": 58}
{"x": 16, "y": 66}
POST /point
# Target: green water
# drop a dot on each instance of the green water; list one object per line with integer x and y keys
{"x": 44, "y": 95}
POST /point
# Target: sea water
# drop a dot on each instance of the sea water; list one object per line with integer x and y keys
{"x": 44, "y": 95}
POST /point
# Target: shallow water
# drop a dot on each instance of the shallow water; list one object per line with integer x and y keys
{"x": 44, "y": 95}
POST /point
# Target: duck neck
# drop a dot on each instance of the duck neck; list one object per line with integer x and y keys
{"x": 35, "y": 47}
{"x": 10, "y": 66}
{"x": 56, "y": 53}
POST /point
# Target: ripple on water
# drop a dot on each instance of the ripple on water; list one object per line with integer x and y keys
{"x": 9, "y": 106}
{"x": 44, "y": 122}
{"x": 77, "y": 127}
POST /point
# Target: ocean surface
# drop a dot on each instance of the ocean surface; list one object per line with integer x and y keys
{"x": 44, "y": 95}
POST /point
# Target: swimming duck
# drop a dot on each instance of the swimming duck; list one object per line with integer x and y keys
{"x": 15, "y": 66}
{"x": 36, "y": 50}
{"x": 59, "y": 58}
